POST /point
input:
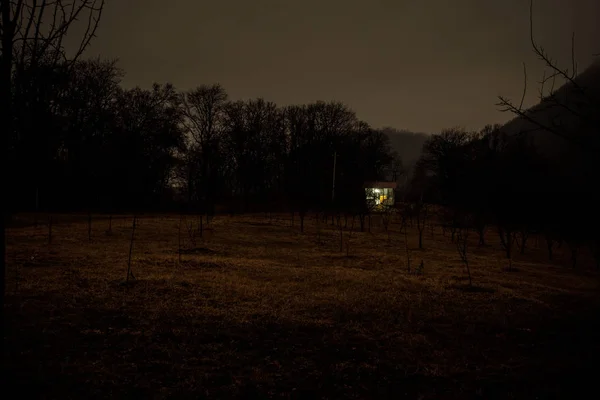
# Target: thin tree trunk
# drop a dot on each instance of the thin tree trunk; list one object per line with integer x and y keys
{"x": 37, "y": 207}
{"x": 318, "y": 222}
{"x": 387, "y": 230}
{"x": 549, "y": 244}
{"x": 50, "y": 229}
{"x": 574, "y": 256}
{"x": 524, "y": 237}
{"x": 90, "y": 226}
{"x": 129, "y": 273}
{"x": 6, "y": 124}
{"x": 349, "y": 238}
{"x": 481, "y": 233}
{"x": 341, "y": 234}
{"x": 407, "y": 251}
{"x": 469, "y": 273}
{"x": 179, "y": 238}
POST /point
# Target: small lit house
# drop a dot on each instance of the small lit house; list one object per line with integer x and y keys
{"x": 380, "y": 193}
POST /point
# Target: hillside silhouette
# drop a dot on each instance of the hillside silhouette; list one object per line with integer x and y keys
{"x": 565, "y": 122}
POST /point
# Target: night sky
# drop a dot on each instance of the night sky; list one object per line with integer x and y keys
{"x": 421, "y": 65}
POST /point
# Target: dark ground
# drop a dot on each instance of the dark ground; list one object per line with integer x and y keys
{"x": 257, "y": 310}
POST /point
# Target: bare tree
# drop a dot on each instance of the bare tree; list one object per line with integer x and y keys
{"x": 583, "y": 110}
{"x": 450, "y": 222}
{"x": 569, "y": 113}
{"x": 179, "y": 238}
{"x": 480, "y": 224}
{"x": 462, "y": 241}
{"x": 574, "y": 246}
{"x": 129, "y": 272}
{"x": 341, "y": 229}
{"x": 406, "y": 248}
{"x": 192, "y": 231}
{"x": 387, "y": 214}
{"x": 420, "y": 211}
{"x": 405, "y": 211}
{"x": 50, "y": 229}
{"x": 551, "y": 240}
{"x": 28, "y": 30}
{"x": 367, "y": 210}
{"x": 350, "y": 236}
{"x": 203, "y": 110}
{"x": 507, "y": 238}
{"x": 521, "y": 238}
{"x": 109, "y": 230}
{"x": 319, "y": 229}
{"x": 89, "y": 220}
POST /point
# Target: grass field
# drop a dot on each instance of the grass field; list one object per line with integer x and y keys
{"x": 255, "y": 309}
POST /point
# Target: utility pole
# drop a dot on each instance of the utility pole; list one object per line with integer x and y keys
{"x": 333, "y": 182}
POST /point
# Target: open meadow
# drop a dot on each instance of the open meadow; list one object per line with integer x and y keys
{"x": 256, "y": 309}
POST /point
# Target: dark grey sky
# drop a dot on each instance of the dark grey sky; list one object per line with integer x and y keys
{"x": 421, "y": 65}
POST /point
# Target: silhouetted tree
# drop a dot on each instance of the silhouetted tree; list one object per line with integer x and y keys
{"x": 203, "y": 110}
{"x": 86, "y": 112}
{"x": 462, "y": 242}
{"x": 145, "y": 140}
{"x": 255, "y": 146}
{"x": 23, "y": 43}
{"x": 565, "y": 124}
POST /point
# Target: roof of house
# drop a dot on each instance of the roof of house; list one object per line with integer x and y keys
{"x": 381, "y": 185}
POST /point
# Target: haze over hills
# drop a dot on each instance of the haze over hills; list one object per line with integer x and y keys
{"x": 558, "y": 112}
{"x": 407, "y": 144}
{"x": 573, "y": 112}
{"x": 562, "y": 112}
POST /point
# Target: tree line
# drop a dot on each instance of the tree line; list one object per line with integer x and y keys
{"x": 75, "y": 139}
{"x": 494, "y": 179}
{"x": 82, "y": 141}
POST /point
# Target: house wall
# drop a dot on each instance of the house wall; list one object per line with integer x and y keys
{"x": 377, "y": 196}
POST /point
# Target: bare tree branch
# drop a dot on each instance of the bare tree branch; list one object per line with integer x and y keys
{"x": 551, "y": 100}
{"x": 539, "y": 51}
{"x": 524, "y": 86}
{"x": 508, "y": 106}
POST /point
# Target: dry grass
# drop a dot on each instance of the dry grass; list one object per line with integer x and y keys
{"x": 258, "y": 310}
